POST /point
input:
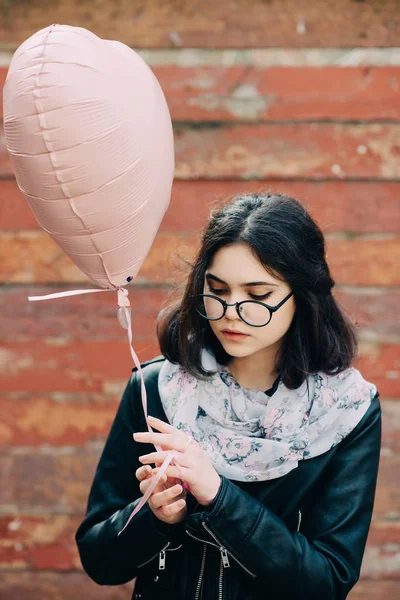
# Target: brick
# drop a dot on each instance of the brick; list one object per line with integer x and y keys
{"x": 89, "y": 316}
{"x": 257, "y": 24}
{"x": 27, "y": 585}
{"x": 39, "y": 543}
{"x": 380, "y": 363}
{"x": 353, "y": 206}
{"x": 373, "y": 310}
{"x": 387, "y": 499}
{"x": 305, "y": 150}
{"x": 57, "y": 419}
{"x": 248, "y": 93}
{"x": 316, "y": 150}
{"x": 364, "y": 261}
{"x": 375, "y": 590}
{"x": 69, "y": 366}
{"x": 3, "y": 73}
{"x": 45, "y": 481}
{"x": 33, "y": 257}
{"x": 382, "y": 556}
{"x": 391, "y": 426}
{"x": 15, "y": 213}
{"x": 48, "y": 481}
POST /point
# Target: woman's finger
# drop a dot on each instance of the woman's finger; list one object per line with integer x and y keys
{"x": 166, "y": 496}
{"x": 168, "y": 510}
{"x": 143, "y": 472}
{"x": 159, "y": 457}
{"x": 168, "y": 440}
{"x": 178, "y": 472}
{"x": 164, "y": 427}
{"x": 146, "y": 483}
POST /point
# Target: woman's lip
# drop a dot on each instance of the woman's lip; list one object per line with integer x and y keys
{"x": 235, "y": 333}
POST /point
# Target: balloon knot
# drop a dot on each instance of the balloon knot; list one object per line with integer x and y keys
{"x": 123, "y": 299}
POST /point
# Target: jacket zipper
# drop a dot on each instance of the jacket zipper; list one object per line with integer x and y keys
{"x": 153, "y": 557}
{"x": 225, "y": 553}
{"x": 200, "y": 580}
{"x": 203, "y": 562}
{"x": 163, "y": 556}
{"x": 299, "y": 521}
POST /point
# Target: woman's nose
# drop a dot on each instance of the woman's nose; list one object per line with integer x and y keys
{"x": 231, "y": 312}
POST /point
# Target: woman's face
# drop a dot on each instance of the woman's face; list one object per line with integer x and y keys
{"x": 235, "y": 274}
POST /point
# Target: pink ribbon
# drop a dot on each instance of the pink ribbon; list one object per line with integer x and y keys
{"x": 125, "y": 320}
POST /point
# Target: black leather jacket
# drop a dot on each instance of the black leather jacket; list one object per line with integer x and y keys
{"x": 299, "y": 537}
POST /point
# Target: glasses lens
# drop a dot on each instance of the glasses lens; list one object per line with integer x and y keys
{"x": 254, "y": 313}
{"x": 210, "y": 308}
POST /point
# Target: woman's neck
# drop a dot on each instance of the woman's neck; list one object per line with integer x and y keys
{"x": 254, "y": 372}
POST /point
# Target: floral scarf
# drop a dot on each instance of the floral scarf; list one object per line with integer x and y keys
{"x": 250, "y": 436}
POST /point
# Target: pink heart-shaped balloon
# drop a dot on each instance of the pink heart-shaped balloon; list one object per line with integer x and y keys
{"x": 90, "y": 137}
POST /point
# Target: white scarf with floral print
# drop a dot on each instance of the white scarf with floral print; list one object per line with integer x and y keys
{"x": 250, "y": 436}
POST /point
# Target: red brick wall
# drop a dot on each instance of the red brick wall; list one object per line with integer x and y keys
{"x": 295, "y": 120}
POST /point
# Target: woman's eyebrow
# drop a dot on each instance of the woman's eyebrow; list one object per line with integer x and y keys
{"x": 250, "y": 284}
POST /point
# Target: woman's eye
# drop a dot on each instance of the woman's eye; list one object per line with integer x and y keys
{"x": 217, "y": 292}
{"x": 263, "y": 297}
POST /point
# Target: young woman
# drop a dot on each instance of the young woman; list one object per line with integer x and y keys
{"x": 271, "y": 491}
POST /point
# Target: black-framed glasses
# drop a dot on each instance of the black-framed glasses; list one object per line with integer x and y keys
{"x": 252, "y": 312}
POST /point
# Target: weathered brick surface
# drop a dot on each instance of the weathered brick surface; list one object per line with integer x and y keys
{"x": 61, "y": 419}
{"x": 380, "y": 363}
{"x": 376, "y": 590}
{"x": 337, "y": 206}
{"x": 290, "y": 23}
{"x": 247, "y": 93}
{"x": 328, "y": 136}
{"x": 218, "y": 93}
{"x": 391, "y": 428}
{"x": 316, "y": 150}
{"x": 69, "y": 365}
{"x": 48, "y": 481}
{"x": 382, "y": 554}
{"x": 89, "y": 316}
{"x": 39, "y": 542}
{"x": 32, "y": 256}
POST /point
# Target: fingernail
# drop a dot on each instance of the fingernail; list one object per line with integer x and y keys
{"x": 150, "y": 418}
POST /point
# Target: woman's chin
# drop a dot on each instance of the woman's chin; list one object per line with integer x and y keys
{"x": 235, "y": 350}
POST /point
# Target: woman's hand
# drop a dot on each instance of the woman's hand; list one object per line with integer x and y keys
{"x": 167, "y": 500}
{"x": 191, "y": 465}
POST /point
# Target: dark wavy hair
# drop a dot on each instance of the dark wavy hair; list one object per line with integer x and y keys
{"x": 290, "y": 246}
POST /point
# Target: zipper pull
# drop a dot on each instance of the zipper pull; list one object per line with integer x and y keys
{"x": 299, "y": 520}
{"x": 161, "y": 561}
{"x": 224, "y": 556}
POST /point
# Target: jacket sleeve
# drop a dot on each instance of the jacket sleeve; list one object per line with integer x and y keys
{"x": 107, "y": 558}
{"x": 322, "y": 561}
